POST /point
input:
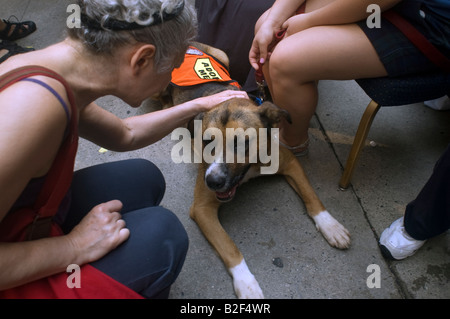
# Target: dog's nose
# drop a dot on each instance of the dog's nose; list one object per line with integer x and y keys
{"x": 215, "y": 182}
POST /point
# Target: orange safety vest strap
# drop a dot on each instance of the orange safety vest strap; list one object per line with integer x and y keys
{"x": 199, "y": 68}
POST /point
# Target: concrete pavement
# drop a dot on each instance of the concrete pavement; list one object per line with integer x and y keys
{"x": 288, "y": 257}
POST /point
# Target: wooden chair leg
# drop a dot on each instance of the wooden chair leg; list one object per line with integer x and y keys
{"x": 358, "y": 143}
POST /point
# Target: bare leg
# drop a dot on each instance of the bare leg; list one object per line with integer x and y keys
{"x": 340, "y": 52}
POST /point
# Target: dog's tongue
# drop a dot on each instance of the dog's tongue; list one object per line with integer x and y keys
{"x": 228, "y": 194}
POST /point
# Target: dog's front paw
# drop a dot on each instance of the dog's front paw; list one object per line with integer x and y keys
{"x": 247, "y": 288}
{"x": 245, "y": 284}
{"x": 336, "y": 234}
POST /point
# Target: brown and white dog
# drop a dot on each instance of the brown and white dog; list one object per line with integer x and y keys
{"x": 218, "y": 180}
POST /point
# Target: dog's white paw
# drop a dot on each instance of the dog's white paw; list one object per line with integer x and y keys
{"x": 336, "y": 234}
{"x": 245, "y": 284}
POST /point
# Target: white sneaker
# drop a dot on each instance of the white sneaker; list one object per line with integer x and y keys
{"x": 395, "y": 243}
{"x": 441, "y": 104}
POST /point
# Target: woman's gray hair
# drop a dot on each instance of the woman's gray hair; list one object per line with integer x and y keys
{"x": 170, "y": 25}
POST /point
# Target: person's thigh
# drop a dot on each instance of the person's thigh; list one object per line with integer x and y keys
{"x": 327, "y": 52}
{"x": 150, "y": 260}
{"x": 137, "y": 183}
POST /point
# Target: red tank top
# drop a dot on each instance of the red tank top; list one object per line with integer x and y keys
{"x": 36, "y": 221}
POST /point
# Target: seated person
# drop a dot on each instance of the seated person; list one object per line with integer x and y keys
{"x": 332, "y": 41}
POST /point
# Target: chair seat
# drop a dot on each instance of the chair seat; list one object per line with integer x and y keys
{"x": 388, "y": 91}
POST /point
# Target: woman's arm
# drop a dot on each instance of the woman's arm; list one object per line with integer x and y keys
{"x": 281, "y": 10}
{"x": 334, "y": 13}
{"x": 99, "y": 232}
{"x": 107, "y": 130}
{"x": 22, "y": 262}
{"x": 280, "y": 17}
{"x": 31, "y": 132}
{"x": 269, "y": 23}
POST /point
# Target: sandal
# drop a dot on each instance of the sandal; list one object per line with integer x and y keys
{"x": 13, "y": 49}
{"x": 299, "y": 150}
{"x": 17, "y": 30}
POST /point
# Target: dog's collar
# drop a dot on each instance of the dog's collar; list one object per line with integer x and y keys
{"x": 256, "y": 99}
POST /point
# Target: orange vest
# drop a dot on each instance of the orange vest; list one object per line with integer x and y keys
{"x": 199, "y": 68}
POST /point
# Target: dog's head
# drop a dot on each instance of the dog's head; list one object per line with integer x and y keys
{"x": 230, "y": 135}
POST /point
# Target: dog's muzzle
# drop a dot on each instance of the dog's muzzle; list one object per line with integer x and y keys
{"x": 219, "y": 180}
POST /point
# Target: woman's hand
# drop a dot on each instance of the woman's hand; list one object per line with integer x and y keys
{"x": 208, "y": 102}
{"x": 259, "y": 51}
{"x": 99, "y": 232}
{"x": 266, "y": 37}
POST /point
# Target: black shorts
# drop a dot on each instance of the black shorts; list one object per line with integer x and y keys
{"x": 399, "y": 56}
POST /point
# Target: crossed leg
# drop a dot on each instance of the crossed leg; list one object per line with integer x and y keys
{"x": 299, "y": 61}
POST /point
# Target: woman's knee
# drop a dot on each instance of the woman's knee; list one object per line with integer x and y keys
{"x": 168, "y": 247}
{"x": 171, "y": 229}
{"x": 291, "y": 62}
{"x": 110, "y": 176}
{"x": 282, "y": 75}
{"x": 169, "y": 236}
{"x": 137, "y": 183}
{"x": 151, "y": 259}
{"x": 160, "y": 230}
{"x": 148, "y": 172}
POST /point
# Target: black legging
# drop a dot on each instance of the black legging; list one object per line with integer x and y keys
{"x": 429, "y": 214}
{"x": 152, "y": 257}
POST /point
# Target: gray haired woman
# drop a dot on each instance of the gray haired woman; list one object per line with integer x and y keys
{"x": 104, "y": 219}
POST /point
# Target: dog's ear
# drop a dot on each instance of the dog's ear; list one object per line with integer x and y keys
{"x": 190, "y": 125}
{"x": 271, "y": 114}
{"x": 199, "y": 116}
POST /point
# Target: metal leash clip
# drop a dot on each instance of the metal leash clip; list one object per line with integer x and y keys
{"x": 259, "y": 75}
